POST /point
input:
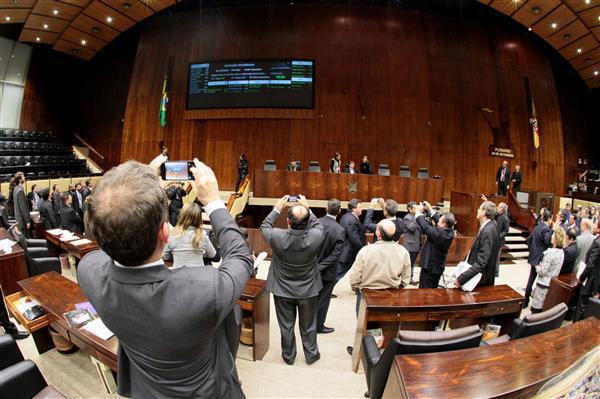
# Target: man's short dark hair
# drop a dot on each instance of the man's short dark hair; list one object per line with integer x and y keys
{"x": 333, "y": 206}
{"x": 410, "y": 205}
{"x": 490, "y": 209}
{"x": 449, "y": 220}
{"x": 572, "y": 233}
{"x": 354, "y": 203}
{"x": 298, "y": 223}
{"x": 126, "y": 212}
{"x": 64, "y": 196}
{"x": 391, "y": 207}
{"x": 547, "y": 215}
{"x": 45, "y": 193}
{"x": 87, "y": 183}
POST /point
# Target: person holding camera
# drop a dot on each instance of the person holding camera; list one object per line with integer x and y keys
{"x": 175, "y": 193}
{"x": 412, "y": 236}
{"x": 390, "y": 209}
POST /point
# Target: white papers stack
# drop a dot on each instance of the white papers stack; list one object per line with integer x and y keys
{"x": 56, "y": 232}
{"x": 261, "y": 256}
{"x": 25, "y": 303}
{"x": 6, "y": 245}
{"x": 472, "y": 283}
{"x": 64, "y": 238}
{"x": 98, "y": 328}
{"x": 83, "y": 241}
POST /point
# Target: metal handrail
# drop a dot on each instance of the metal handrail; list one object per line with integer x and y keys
{"x": 85, "y": 143}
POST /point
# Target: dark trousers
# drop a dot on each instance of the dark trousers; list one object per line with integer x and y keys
{"x": 324, "y": 300}
{"x": 429, "y": 280}
{"x": 343, "y": 269}
{"x": 240, "y": 177}
{"x": 502, "y": 188}
{"x": 529, "y": 288}
{"x": 413, "y": 259}
{"x": 5, "y": 322}
{"x": 286, "y": 317}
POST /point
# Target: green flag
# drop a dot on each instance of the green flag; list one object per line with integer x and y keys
{"x": 163, "y": 104}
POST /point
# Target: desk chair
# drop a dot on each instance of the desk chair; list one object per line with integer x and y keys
{"x": 404, "y": 171}
{"x": 592, "y": 308}
{"x": 270, "y": 165}
{"x": 20, "y": 378}
{"x": 384, "y": 169}
{"x": 534, "y": 324}
{"x": 423, "y": 173}
{"x": 377, "y": 365}
{"x": 314, "y": 166}
{"x": 36, "y": 251}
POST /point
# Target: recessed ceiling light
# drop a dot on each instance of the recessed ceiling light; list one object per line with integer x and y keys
{"x": 529, "y": 29}
{"x": 83, "y": 42}
{"x": 95, "y": 29}
{"x": 45, "y": 26}
{"x": 536, "y": 10}
{"x": 588, "y": 1}
{"x": 579, "y": 51}
{"x": 55, "y": 12}
{"x": 7, "y": 18}
{"x": 127, "y": 6}
{"x": 37, "y": 39}
{"x": 554, "y": 25}
{"x": 595, "y": 73}
{"x": 567, "y": 36}
{"x": 109, "y": 19}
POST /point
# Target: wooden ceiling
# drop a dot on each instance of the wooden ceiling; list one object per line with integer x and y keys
{"x": 83, "y": 27}
{"x": 572, "y": 27}
{"x": 77, "y": 27}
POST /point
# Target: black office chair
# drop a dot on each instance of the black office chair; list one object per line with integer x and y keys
{"x": 592, "y": 308}
{"x": 404, "y": 171}
{"x": 270, "y": 165}
{"x": 20, "y": 378}
{"x": 384, "y": 169}
{"x": 423, "y": 173}
{"x": 314, "y": 166}
{"x": 533, "y": 324}
{"x": 36, "y": 251}
{"x": 377, "y": 365}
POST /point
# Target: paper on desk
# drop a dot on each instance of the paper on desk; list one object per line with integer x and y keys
{"x": 24, "y": 304}
{"x": 64, "y": 238}
{"x": 55, "y": 232}
{"x": 81, "y": 242}
{"x": 98, "y": 328}
{"x": 6, "y": 245}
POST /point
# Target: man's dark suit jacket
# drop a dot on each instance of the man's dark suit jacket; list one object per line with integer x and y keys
{"x": 170, "y": 323}
{"x": 176, "y": 196}
{"x": 369, "y": 225}
{"x": 506, "y": 180}
{"x": 75, "y": 204}
{"x": 333, "y": 244}
{"x": 293, "y": 272}
{"x": 568, "y": 265}
{"x": 70, "y": 220}
{"x": 516, "y": 176}
{"x": 483, "y": 256}
{"x": 539, "y": 241}
{"x": 592, "y": 270}
{"x": 503, "y": 223}
{"x": 48, "y": 215}
{"x": 435, "y": 250}
{"x": 21, "y": 207}
{"x": 365, "y": 168}
{"x": 355, "y": 235}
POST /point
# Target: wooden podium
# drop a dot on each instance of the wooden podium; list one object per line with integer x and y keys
{"x": 464, "y": 207}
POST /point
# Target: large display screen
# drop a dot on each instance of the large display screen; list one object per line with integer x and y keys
{"x": 251, "y": 83}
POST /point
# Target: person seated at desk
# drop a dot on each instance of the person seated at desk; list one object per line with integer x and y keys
{"x": 349, "y": 168}
{"x": 49, "y": 217}
{"x": 549, "y": 267}
{"x": 335, "y": 163}
{"x": 294, "y": 166}
{"x": 365, "y": 166}
{"x": 69, "y": 218}
{"x": 188, "y": 242}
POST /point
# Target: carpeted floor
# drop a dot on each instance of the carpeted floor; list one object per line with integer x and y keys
{"x": 330, "y": 377}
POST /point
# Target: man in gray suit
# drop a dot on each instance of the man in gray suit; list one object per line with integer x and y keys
{"x": 170, "y": 323}
{"x": 294, "y": 276}
{"x": 412, "y": 236}
{"x": 21, "y": 205}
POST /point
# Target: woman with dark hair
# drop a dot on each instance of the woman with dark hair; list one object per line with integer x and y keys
{"x": 335, "y": 163}
{"x": 47, "y": 213}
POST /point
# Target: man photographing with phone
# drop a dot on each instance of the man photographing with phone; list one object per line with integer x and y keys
{"x": 169, "y": 323}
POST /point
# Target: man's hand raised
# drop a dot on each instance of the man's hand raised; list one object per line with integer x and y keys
{"x": 281, "y": 203}
{"x": 302, "y": 200}
{"x": 205, "y": 183}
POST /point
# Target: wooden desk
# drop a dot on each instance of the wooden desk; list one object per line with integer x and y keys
{"x": 325, "y": 185}
{"x": 425, "y": 308}
{"x": 515, "y": 369}
{"x": 13, "y": 266}
{"x": 56, "y": 246}
{"x": 255, "y": 303}
{"x": 562, "y": 289}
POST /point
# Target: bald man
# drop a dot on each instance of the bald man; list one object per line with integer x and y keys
{"x": 384, "y": 264}
{"x": 294, "y": 276}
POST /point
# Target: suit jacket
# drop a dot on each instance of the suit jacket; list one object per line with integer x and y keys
{"x": 568, "y": 265}
{"x": 21, "y": 207}
{"x": 70, "y": 220}
{"x": 369, "y": 225}
{"x": 516, "y": 176}
{"x": 503, "y": 223}
{"x": 293, "y": 272}
{"x": 412, "y": 233}
{"x": 176, "y": 196}
{"x": 56, "y": 203}
{"x": 33, "y": 199}
{"x": 483, "y": 256}
{"x": 48, "y": 215}
{"x": 79, "y": 208}
{"x": 584, "y": 242}
{"x": 170, "y": 323}
{"x": 365, "y": 168}
{"x": 506, "y": 179}
{"x": 355, "y": 235}
{"x": 592, "y": 270}
{"x": 539, "y": 241}
{"x": 435, "y": 250}
{"x": 334, "y": 241}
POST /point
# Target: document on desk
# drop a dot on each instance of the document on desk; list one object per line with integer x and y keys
{"x": 68, "y": 238}
{"x": 6, "y": 245}
{"x": 472, "y": 283}
{"x": 55, "y": 232}
{"x": 98, "y": 328}
{"x": 83, "y": 241}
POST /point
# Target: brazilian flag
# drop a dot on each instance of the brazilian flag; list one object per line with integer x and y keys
{"x": 163, "y": 104}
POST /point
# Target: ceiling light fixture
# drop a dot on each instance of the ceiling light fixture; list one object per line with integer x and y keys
{"x": 567, "y": 36}
{"x": 83, "y": 42}
{"x": 109, "y": 19}
{"x": 554, "y": 25}
{"x": 55, "y": 12}
{"x": 37, "y": 39}
{"x": 588, "y": 1}
{"x": 7, "y": 18}
{"x": 95, "y": 29}
{"x": 536, "y": 10}
{"x": 529, "y": 29}
{"x": 579, "y": 51}
{"x": 127, "y": 6}
{"x": 595, "y": 73}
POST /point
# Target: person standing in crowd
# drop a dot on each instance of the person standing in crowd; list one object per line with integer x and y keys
{"x": 483, "y": 255}
{"x": 77, "y": 200}
{"x": 571, "y": 223}
{"x": 584, "y": 240}
{"x": 33, "y": 198}
{"x": 412, "y": 237}
{"x": 171, "y": 325}
{"x": 503, "y": 178}
{"x": 175, "y": 193}
{"x": 86, "y": 190}
{"x": 365, "y": 166}
{"x": 390, "y": 209}
{"x": 503, "y": 224}
{"x": 333, "y": 245}
{"x": 294, "y": 276}
{"x": 350, "y": 168}
{"x": 335, "y": 163}
{"x": 538, "y": 242}
{"x": 21, "y": 205}
{"x": 242, "y": 169}
{"x": 9, "y": 327}
{"x": 590, "y": 277}
{"x": 188, "y": 243}
{"x": 55, "y": 195}
{"x": 439, "y": 239}
{"x": 11, "y": 188}
{"x": 3, "y": 211}
{"x": 49, "y": 217}
{"x": 549, "y": 267}
{"x": 570, "y": 252}
{"x": 516, "y": 179}
{"x": 355, "y": 235}
{"x": 69, "y": 218}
